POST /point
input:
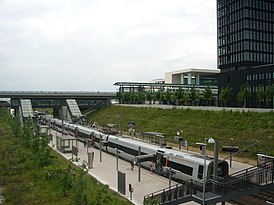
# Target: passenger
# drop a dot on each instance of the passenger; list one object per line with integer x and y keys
{"x": 151, "y": 167}
{"x": 132, "y": 165}
{"x": 93, "y": 141}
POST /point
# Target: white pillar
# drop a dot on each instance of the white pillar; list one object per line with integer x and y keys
{"x": 197, "y": 77}
{"x": 189, "y": 79}
{"x": 182, "y": 78}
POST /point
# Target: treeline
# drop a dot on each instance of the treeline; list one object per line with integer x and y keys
{"x": 245, "y": 92}
{"x": 194, "y": 96}
{"x": 191, "y": 96}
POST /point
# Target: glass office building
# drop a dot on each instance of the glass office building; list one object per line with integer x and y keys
{"x": 245, "y": 45}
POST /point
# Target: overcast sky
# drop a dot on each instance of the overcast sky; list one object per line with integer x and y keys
{"x": 87, "y": 45}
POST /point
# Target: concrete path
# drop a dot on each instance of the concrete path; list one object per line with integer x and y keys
{"x": 212, "y": 108}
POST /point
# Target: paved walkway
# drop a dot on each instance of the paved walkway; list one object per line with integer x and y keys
{"x": 212, "y": 108}
{"x": 106, "y": 173}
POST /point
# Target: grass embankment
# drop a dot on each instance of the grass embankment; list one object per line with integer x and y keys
{"x": 244, "y": 127}
{"x": 25, "y": 181}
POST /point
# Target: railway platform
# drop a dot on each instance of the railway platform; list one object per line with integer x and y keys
{"x": 106, "y": 172}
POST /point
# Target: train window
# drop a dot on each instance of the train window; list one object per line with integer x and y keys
{"x": 200, "y": 171}
{"x": 125, "y": 149}
{"x": 180, "y": 167}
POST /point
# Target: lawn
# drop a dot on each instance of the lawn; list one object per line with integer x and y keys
{"x": 25, "y": 181}
{"x": 230, "y": 128}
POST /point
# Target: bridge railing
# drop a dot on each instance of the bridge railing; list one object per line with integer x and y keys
{"x": 173, "y": 193}
{"x": 255, "y": 176}
{"x": 55, "y": 93}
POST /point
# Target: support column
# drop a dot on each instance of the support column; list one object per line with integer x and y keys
{"x": 216, "y": 158}
{"x": 182, "y": 79}
{"x": 56, "y": 112}
{"x": 189, "y": 79}
{"x": 139, "y": 165}
{"x": 197, "y": 79}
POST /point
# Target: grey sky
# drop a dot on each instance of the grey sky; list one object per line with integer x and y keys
{"x": 90, "y": 44}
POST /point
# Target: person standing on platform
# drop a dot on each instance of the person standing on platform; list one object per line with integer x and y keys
{"x": 132, "y": 165}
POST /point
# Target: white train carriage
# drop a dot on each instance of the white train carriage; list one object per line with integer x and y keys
{"x": 184, "y": 165}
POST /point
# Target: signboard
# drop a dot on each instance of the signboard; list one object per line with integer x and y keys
{"x": 230, "y": 148}
{"x": 74, "y": 150}
{"x": 122, "y": 182}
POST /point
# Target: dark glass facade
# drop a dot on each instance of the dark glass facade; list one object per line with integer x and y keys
{"x": 245, "y": 40}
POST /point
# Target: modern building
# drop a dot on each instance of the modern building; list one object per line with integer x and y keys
{"x": 193, "y": 76}
{"x": 183, "y": 79}
{"x": 245, "y": 46}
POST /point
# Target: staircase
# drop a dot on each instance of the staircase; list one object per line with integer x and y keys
{"x": 246, "y": 182}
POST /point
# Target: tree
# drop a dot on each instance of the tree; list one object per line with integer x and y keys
{"x": 269, "y": 93}
{"x": 225, "y": 94}
{"x": 38, "y": 143}
{"x": 149, "y": 97}
{"x": 168, "y": 96}
{"x": 260, "y": 95}
{"x": 79, "y": 185}
{"x": 178, "y": 96}
{"x": 158, "y": 96}
{"x": 28, "y": 132}
{"x": 185, "y": 96}
{"x": 208, "y": 94}
{"x": 133, "y": 97}
{"x": 120, "y": 97}
{"x": 243, "y": 94}
{"x": 141, "y": 98}
{"x": 194, "y": 95}
{"x": 173, "y": 99}
{"x": 126, "y": 97}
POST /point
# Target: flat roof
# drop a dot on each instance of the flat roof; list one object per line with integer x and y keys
{"x": 158, "y": 134}
{"x": 66, "y": 137}
{"x": 159, "y": 84}
{"x": 196, "y": 70}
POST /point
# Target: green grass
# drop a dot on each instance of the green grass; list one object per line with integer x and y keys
{"x": 24, "y": 182}
{"x": 244, "y": 127}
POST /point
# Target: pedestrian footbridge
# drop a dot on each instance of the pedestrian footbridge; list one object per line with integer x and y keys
{"x": 63, "y": 103}
{"x": 246, "y": 182}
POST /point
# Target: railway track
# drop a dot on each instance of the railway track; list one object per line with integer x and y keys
{"x": 263, "y": 198}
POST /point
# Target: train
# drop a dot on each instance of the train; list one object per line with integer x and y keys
{"x": 181, "y": 164}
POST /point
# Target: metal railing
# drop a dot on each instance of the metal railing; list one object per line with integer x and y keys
{"x": 258, "y": 175}
{"x": 55, "y": 93}
{"x": 173, "y": 193}
{"x": 255, "y": 176}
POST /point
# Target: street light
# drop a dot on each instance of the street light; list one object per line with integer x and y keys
{"x": 207, "y": 140}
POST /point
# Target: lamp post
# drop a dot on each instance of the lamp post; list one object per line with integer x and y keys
{"x": 100, "y": 148}
{"x": 207, "y": 140}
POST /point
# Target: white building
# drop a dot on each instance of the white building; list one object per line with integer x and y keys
{"x": 193, "y": 76}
